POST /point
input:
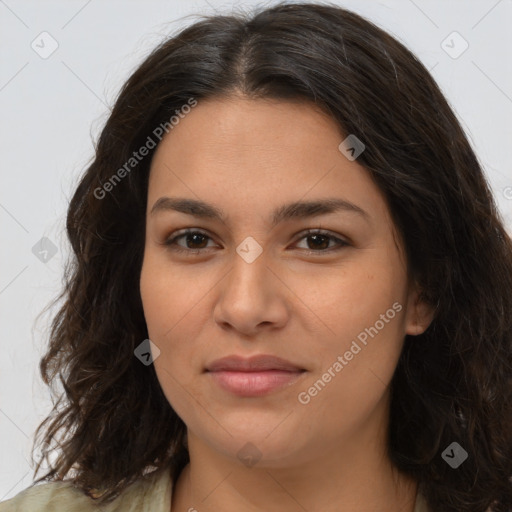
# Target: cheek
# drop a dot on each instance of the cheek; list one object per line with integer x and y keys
{"x": 363, "y": 306}
{"x": 168, "y": 314}
{"x": 170, "y": 295}
{"x": 172, "y": 299}
{"x": 351, "y": 296}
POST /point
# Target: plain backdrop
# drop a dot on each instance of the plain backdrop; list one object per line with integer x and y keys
{"x": 62, "y": 64}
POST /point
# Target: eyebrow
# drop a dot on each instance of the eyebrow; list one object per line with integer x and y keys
{"x": 294, "y": 210}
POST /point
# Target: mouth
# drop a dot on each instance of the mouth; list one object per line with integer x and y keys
{"x": 255, "y": 376}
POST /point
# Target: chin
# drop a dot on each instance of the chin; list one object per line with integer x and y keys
{"x": 262, "y": 448}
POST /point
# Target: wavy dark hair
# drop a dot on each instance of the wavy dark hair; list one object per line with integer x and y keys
{"x": 112, "y": 423}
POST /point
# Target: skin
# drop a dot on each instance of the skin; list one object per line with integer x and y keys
{"x": 249, "y": 157}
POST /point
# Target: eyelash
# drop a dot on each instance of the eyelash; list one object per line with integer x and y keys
{"x": 171, "y": 242}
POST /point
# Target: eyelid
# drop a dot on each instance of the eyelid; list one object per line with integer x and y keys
{"x": 325, "y": 232}
{"x": 171, "y": 239}
{"x": 340, "y": 241}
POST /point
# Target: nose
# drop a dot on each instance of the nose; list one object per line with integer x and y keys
{"x": 251, "y": 297}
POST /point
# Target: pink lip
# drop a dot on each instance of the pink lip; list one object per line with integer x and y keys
{"x": 255, "y": 376}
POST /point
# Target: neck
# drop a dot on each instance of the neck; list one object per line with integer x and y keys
{"x": 345, "y": 478}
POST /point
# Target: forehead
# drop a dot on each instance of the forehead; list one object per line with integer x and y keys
{"x": 256, "y": 155}
{"x": 236, "y": 129}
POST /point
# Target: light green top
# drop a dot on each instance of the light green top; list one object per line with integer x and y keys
{"x": 150, "y": 495}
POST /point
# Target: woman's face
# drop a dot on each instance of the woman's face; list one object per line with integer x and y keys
{"x": 335, "y": 306}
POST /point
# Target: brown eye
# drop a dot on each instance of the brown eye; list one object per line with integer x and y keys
{"x": 320, "y": 241}
{"x": 195, "y": 241}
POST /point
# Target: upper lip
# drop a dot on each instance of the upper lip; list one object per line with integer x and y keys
{"x": 252, "y": 364}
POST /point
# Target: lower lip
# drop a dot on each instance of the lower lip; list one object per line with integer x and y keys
{"x": 254, "y": 383}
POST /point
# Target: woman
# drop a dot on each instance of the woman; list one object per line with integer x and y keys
{"x": 290, "y": 287}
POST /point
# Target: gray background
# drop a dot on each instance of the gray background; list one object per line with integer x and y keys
{"x": 53, "y": 106}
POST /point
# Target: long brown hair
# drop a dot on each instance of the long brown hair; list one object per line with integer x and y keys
{"x": 112, "y": 423}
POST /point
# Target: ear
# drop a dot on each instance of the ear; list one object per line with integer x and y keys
{"x": 419, "y": 313}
